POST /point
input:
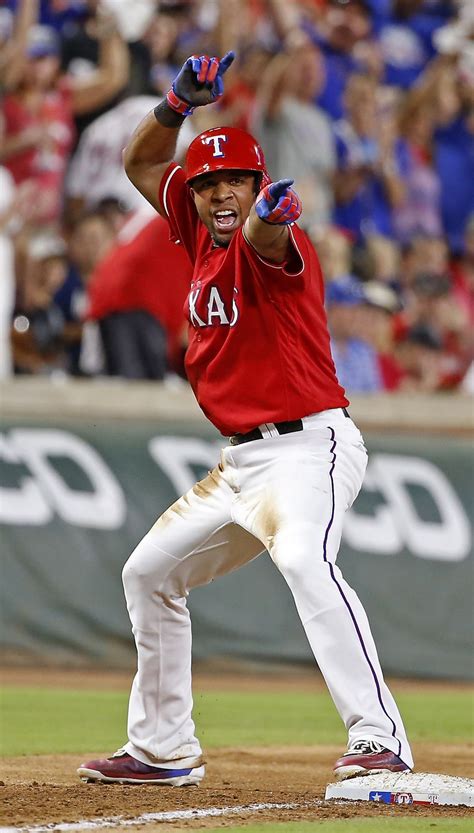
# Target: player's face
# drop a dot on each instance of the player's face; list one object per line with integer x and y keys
{"x": 223, "y": 200}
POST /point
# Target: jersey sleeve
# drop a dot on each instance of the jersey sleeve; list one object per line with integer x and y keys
{"x": 294, "y": 264}
{"x": 179, "y": 208}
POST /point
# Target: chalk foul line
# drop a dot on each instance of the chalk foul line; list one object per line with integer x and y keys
{"x": 148, "y": 818}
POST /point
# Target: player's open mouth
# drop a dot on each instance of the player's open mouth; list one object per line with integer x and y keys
{"x": 225, "y": 220}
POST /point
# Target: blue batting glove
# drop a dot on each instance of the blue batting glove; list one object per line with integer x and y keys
{"x": 278, "y": 204}
{"x": 199, "y": 82}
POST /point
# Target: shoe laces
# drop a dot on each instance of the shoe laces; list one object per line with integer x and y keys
{"x": 365, "y": 747}
{"x": 119, "y": 753}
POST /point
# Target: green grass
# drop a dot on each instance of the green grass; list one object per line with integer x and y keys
{"x": 360, "y": 825}
{"x": 42, "y": 721}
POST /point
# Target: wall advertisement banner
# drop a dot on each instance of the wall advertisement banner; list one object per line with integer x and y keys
{"x": 75, "y": 499}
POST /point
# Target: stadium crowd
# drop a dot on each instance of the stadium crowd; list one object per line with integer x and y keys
{"x": 367, "y": 104}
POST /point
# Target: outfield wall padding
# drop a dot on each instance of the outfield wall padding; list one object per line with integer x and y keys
{"x": 77, "y": 495}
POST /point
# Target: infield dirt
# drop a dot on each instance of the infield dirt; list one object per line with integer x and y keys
{"x": 45, "y": 789}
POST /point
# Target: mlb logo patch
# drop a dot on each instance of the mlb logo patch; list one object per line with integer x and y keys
{"x": 382, "y": 797}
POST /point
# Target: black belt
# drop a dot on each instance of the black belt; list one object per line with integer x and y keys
{"x": 281, "y": 427}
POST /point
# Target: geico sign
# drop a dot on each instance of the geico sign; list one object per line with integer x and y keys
{"x": 393, "y": 524}
{"x": 43, "y": 491}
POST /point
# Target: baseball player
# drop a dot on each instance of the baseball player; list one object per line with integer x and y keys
{"x": 260, "y": 365}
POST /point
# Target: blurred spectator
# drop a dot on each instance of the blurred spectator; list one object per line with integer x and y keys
{"x": 406, "y": 38}
{"x": 344, "y": 24}
{"x": 37, "y": 130}
{"x": 334, "y": 251}
{"x": 238, "y": 104}
{"x": 96, "y": 171}
{"x": 467, "y": 384}
{"x": 90, "y": 45}
{"x": 137, "y": 294}
{"x": 382, "y": 260}
{"x": 367, "y": 104}
{"x": 448, "y": 84}
{"x": 418, "y": 353}
{"x": 14, "y": 32}
{"x": 254, "y": 51}
{"x": 454, "y": 156}
{"x": 368, "y": 181}
{"x": 7, "y": 270}
{"x": 114, "y": 211}
{"x": 356, "y": 360}
{"x": 376, "y": 322}
{"x": 55, "y": 13}
{"x": 419, "y": 212}
{"x": 198, "y": 23}
{"x": 160, "y": 40}
{"x": 430, "y": 304}
{"x": 462, "y": 275}
{"x": 296, "y": 135}
{"x": 39, "y": 333}
{"x": 92, "y": 236}
{"x": 132, "y": 18}
{"x": 423, "y": 255}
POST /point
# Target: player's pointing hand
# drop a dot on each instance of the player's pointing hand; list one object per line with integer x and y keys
{"x": 278, "y": 204}
{"x": 199, "y": 82}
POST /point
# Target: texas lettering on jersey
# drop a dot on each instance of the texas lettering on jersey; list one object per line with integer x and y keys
{"x": 206, "y": 308}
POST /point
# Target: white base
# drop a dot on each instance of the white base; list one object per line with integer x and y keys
{"x": 405, "y": 788}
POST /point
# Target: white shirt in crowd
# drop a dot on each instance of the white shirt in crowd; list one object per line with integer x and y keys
{"x": 96, "y": 169}
{"x": 300, "y": 139}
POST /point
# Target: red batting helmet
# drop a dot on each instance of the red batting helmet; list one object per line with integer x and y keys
{"x": 224, "y": 148}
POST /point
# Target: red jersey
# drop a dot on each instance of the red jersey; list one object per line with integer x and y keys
{"x": 44, "y": 165}
{"x": 135, "y": 274}
{"x": 258, "y": 339}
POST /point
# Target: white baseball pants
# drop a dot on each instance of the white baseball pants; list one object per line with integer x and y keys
{"x": 286, "y": 494}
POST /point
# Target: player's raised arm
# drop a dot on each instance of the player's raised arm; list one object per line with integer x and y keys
{"x": 153, "y": 144}
{"x": 276, "y": 207}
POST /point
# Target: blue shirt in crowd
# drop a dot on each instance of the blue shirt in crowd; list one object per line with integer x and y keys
{"x": 369, "y": 211}
{"x": 49, "y": 15}
{"x": 357, "y": 366}
{"x": 338, "y": 67}
{"x": 454, "y": 161}
{"x": 407, "y": 42}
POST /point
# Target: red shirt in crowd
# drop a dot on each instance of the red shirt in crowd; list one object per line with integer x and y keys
{"x": 148, "y": 272}
{"x": 45, "y": 164}
{"x": 258, "y": 340}
{"x": 391, "y": 371}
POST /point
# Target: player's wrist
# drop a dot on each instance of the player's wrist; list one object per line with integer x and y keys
{"x": 167, "y": 116}
{"x": 179, "y": 104}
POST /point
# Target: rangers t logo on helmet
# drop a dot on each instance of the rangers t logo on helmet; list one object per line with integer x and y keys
{"x": 216, "y": 141}
{"x": 225, "y": 148}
